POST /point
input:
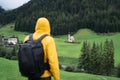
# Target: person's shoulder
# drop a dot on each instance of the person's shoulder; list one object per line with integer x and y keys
{"x": 49, "y": 38}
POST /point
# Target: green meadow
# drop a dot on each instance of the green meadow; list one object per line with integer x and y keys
{"x": 9, "y": 68}
{"x": 8, "y": 30}
{"x": 9, "y": 71}
{"x": 73, "y": 49}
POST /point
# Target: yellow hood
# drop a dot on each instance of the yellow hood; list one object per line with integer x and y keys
{"x": 42, "y": 26}
{"x": 50, "y": 53}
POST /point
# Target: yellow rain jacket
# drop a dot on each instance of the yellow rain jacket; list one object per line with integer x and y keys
{"x": 43, "y": 27}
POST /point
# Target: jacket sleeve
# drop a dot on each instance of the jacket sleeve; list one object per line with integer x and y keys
{"x": 53, "y": 59}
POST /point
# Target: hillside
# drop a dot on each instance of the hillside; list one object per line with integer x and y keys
{"x": 9, "y": 71}
{"x": 66, "y": 49}
{"x": 8, "y": 30}
{"x": 63, "y": 49}
{"x": 67, "y": 15}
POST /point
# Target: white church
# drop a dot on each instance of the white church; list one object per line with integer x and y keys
{"x": 70, "y": 38}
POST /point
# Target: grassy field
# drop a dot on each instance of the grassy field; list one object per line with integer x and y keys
{"x": 9, "y": 69}
{"x": 8, "y": 30}
{"x": 73, "y": 50}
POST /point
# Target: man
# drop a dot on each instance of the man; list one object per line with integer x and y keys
{"x": 50, "y": 54}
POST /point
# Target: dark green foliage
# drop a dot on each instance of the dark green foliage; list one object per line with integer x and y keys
{"x": 69, "y": 68}
{"x": 95, "y": 59}
{"x": 84, "y": 59}
{"x": 2, "y": 51}
{"x": 118, "y": 72}
{"x": 99, "y": 59}
{"x": 15, "y": 50}
{"x": 67, "y": 15}
{"x": 5, "y": 52}
{"x": 108, "y": 57}
{"x": 9, "y": 52}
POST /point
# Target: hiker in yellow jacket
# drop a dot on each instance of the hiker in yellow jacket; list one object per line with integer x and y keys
{"x": 50, "y": 54}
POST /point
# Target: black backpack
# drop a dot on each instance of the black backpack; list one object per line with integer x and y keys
{"x": 31, "y": 58}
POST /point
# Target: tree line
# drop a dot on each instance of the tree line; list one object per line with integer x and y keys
{"x": 98, "y": 58}
{"x": 65, "y": 16}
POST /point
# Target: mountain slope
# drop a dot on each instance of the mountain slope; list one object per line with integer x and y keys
{"x": 67, "y": 15}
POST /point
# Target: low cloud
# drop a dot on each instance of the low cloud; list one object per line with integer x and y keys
{"x": 12, "y": 4}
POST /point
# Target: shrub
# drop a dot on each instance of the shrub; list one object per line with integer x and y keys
{"x": 69, "y": 68}
{"x": 14, "y": 58}
{"x": 2, "y": 52}
{"x": 8, "y": 54}
{"x": 76, "y": 69}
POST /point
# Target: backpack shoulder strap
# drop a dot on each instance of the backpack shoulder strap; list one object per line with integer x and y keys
{"x": 31, "y": 37}
{"x": 41, "y": 37}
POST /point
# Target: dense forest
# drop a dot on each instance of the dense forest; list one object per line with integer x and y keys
{"x": 67, "y": 15}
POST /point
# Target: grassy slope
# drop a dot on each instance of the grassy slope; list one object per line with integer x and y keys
{"x": 91, "y": 37}
{"x": 68, "y": 49}
{"x": 9, "y": 71}
{"x": 9, "y": 31}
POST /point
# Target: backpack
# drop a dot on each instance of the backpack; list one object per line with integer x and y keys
{"x": 31, "y": 58}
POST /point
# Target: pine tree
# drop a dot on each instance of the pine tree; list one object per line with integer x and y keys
{"x": 101, "y": 70}
{"x": 108, "y": 57}
{"x": 111, "y": 57}
{"x": 99, "y": 59}
{"x": 95, "y": 59}
{"x": 84, "y": 59}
